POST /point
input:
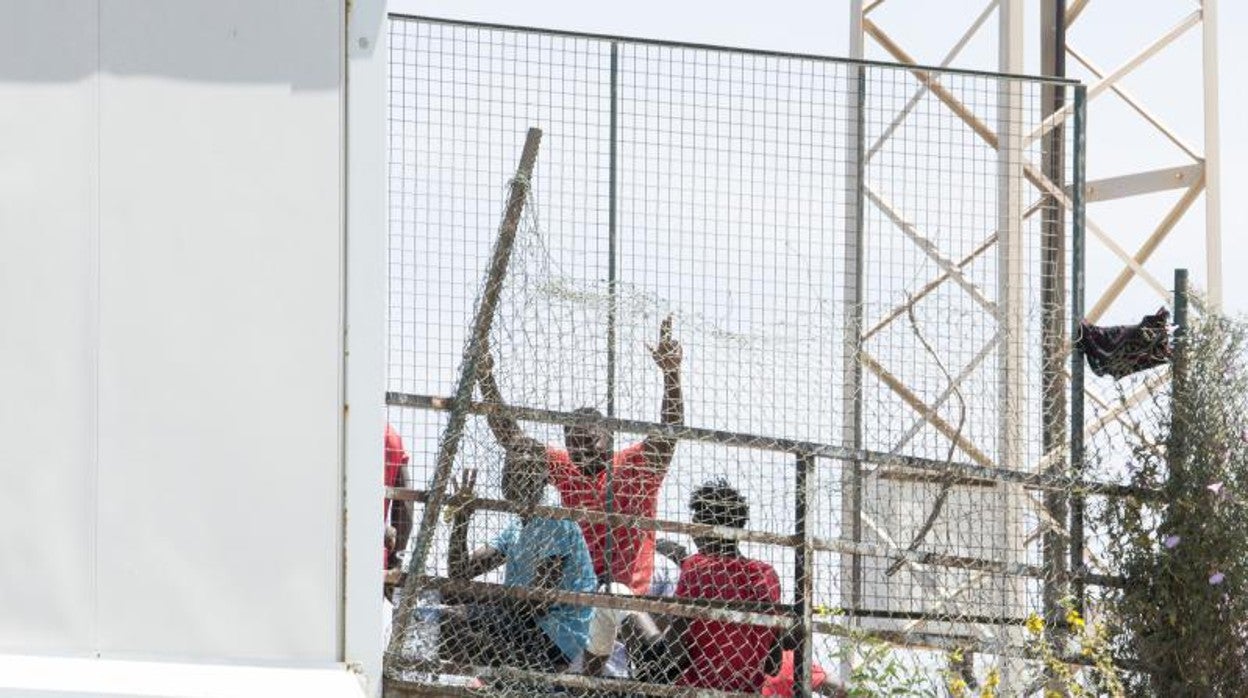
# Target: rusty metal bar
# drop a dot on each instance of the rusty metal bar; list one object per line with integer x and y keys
{"x": 468, "y": 375}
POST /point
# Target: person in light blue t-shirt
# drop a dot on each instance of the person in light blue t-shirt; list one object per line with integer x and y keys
{"x": 536, "y": 552}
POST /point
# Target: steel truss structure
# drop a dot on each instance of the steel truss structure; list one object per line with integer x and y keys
{"x": 1195, "y": 172}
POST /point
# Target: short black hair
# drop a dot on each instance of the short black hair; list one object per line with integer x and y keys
{"x": 588, "y": 418}
{"x": 720, "y": 504}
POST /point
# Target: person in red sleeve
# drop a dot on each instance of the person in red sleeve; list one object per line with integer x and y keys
{"x": 397, "y": 513}
{"x": 586, "y": 466}
{"x": 715, "y": 654}
{"x": 781, "y": 684}
{"x": 693, "y": 652}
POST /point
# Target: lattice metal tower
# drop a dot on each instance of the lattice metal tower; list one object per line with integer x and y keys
{"x": 1121, "y": 198}
{"x": 1195, "y": 169}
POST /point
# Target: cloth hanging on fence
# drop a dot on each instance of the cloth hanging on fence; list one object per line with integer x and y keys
{"x": 1122, "y": 350}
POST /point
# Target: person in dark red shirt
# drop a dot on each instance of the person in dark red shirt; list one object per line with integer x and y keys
{"x": 398, "y": 513}
{"x": 589, "y": 476}
{"x": 781, "y": 685}
{"x": 719, "y": 655}
{"x": 701, "y": 653}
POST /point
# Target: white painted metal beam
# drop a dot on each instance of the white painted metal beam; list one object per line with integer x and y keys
{"x": 1139, "y": 183}
{"x": 923, "y": 88}
{"x": 931, "y": 250}
{"x": 1118, "y": 73}
{"x": 363, "y": 412}
{"x": 1135, "y": 104}
{"x": 1136, "y": 266}
{"x": 1213, "y": 158}
{"x": 1011, "y": 301}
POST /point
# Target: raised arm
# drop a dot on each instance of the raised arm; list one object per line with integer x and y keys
{"x": 506, "y": 429}
{"x": 460, "y": 564}
{"x": 667, "y": 355}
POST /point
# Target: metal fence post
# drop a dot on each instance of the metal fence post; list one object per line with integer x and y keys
{"x": 467, "y": 381}
{"x": 1078, "y": 280}
{"x": 612, "y": 280}
{"x": 803, "y": 556}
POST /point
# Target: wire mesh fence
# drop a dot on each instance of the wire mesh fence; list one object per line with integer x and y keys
{"x": 713, "y": 367}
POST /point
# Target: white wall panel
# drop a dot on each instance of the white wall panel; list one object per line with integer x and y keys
{"x": 220, "y": 279}
{"x": 170, "y": 356}
{"x": 47, "y": 376}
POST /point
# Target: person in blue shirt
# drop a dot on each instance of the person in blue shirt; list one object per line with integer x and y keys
{"x": 535, "y": 552}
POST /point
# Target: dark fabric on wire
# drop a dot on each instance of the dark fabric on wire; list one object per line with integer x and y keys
{"x": 1122, "y": 350}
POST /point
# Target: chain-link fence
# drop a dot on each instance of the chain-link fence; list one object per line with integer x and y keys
{"x": 715, "y": 367}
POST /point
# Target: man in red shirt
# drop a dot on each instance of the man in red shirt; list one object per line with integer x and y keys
{"x": 589, "y": 476}
{"x": 711, "y": 654}
{"x": 719, "y": 655}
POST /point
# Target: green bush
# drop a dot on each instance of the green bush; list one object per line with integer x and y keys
{"x": 1180, "y": 620}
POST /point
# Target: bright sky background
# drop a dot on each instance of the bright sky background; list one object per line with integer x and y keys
{"x": 1109, "y": 32}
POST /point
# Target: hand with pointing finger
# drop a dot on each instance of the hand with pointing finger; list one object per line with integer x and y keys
{"x": 667, "y": 353}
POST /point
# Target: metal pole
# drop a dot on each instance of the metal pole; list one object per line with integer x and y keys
{"x": 1180, "y": 418}
{"x": 1180, "y": 303}
{"x": 467, "y": 379}
{"x": 612, "y": 231}
{"x": 853, "y": 286}
{"x": 1053, "y": 300}
{"x": 1213, "y": 157}
{"x": 803, "y": 601}
{"x": 1178, "y": 373}
{"x": 612, "y": 280}
{"x": 851, "y": 348}
{"x": 1077, "y": 289}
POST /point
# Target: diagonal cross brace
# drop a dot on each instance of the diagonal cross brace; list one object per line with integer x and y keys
{"x": 467, "y": 380}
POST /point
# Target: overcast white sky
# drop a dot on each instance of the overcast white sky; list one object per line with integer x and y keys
{"x": 1109, "y": 32}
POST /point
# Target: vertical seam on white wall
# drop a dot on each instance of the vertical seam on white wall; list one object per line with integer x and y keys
{"x": 94, "y": 304}
{"x": 343, "y": 342}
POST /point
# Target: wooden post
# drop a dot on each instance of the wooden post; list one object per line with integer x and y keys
{"x": 467, "y": 379}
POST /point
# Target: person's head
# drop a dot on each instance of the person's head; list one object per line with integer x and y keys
{"x": 524, "y": 478}
{"x": 588, "y": 441}
{"x": 717, "y": 503}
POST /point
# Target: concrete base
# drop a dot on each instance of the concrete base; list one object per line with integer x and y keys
{"x": 63, "y": 677}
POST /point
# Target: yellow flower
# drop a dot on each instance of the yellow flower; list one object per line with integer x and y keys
{"x": 1074, "y": 620}
{"x": 1035, "y": 624}
{"x": 957, "y": 687}
{"x": 1050, "y": 693}
{"x": 991, "y": 681}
